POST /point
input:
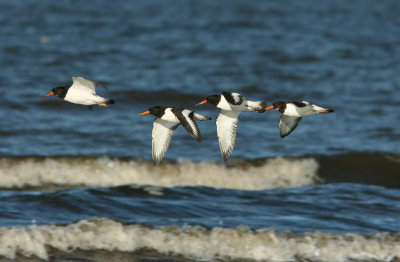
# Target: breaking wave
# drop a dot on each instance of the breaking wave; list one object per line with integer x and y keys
{"x": 64, "y": 172}
{"x": 49, "y": 173}
{"x": 195, "y": 242}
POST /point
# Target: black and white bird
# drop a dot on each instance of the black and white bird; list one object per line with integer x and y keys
{"x": 168, "y": 119}
{"x": 231, "y": 105}
{"x": 292, "y": 112}
{"x": 82, "y": 91}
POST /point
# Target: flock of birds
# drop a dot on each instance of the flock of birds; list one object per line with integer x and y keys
{"x": 168, "y": 118}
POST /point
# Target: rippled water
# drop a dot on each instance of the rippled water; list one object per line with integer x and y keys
{"x": 81, "y": 180}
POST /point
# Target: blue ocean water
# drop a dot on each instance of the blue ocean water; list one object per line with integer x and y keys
{"x": 79, "y": 184}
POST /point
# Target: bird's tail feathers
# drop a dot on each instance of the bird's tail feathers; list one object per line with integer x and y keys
{"x": 106, "y": 102}
{"x": 322, "y": 110}
{"x": 326, "y": 111}
{"x": 258, "y": 106}
{"x": 200, "y": 117}
{"x": 110, "y": 101}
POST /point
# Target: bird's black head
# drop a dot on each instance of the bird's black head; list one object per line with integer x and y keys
{"x": 280, "y": 106}
{"x": 213, "y": 99}
{"x": 157, "y": 111}
{"x": 60, "y": 91}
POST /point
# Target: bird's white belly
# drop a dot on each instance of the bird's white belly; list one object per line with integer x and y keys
{"x": 83, "y": 98}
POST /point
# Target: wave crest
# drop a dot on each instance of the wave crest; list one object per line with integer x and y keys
{"x": 49, "y": 172}
{"x": 198, "y": 243}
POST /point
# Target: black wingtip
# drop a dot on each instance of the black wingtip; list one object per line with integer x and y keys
{"x": 225, "y": 157}
{"x": 285, "y": 135}
{"x": 197, "y": 138}
{"x": 111, "y": 101}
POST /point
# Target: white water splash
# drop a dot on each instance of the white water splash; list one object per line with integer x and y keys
{"x": 105, "y": 172}
{"x": 198, "y": 243}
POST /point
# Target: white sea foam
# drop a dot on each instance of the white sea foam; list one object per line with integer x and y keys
{"x": 197, "y": 242}
{"x": 104, "y": 172}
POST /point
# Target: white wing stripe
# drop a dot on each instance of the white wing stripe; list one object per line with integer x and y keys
{"x": 226, "y": 128}
{"x": 162, "y": 133}
{"x": 190, "y": 121}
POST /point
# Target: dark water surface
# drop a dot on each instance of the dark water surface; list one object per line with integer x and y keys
{"x": 78, "y": 184}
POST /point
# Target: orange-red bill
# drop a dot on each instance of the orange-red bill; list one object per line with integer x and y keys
{"x": 144, "y": 113}
{"x": 49, "y": 94}
{"x": 202, "y": 102}
{"x": 270, "y": 107}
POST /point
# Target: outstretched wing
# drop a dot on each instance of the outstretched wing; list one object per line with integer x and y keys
{"x": 287, "y": 124}
{"x": 188, "y": 122}
{"x": 227, "y": 122}
{"x": 162, "y": 133}
{"x": 83, "y": 84}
